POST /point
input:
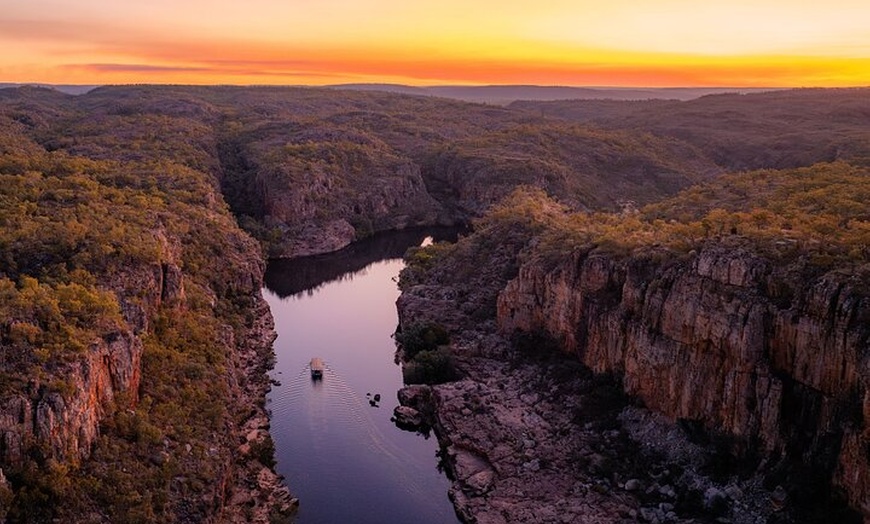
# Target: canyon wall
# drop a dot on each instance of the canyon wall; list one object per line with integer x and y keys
{"x": 58, "y": 414}
{"x": 58, "y": 417}
{"x": 64, "y": 424}
{"x": 775, "y": 358}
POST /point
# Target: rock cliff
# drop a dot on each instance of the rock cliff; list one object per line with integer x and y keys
{"x": 65, "y": 424}
{"x": 315, "y": 189}
{"x": 775, "y": 359}
{"x": 59, "y": 414}
{"x": 675, "y": 410}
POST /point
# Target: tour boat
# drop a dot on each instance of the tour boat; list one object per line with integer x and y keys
{"x": 316, "y": 367}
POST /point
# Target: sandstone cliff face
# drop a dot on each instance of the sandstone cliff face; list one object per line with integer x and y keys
{"x": 60, "y": 415}
{"x": 393, "y": 198}
{"x": 315, "y": 189}
{"x": 723, "y": 338}
{"x": 64, "y": 425}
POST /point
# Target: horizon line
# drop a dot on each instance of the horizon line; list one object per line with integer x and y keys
{"x": 11, "y": 83}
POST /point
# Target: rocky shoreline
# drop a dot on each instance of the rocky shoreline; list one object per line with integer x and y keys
{"x": 532, "y": 435}
{"x": 542, "y": 440}
{"x": 259, "y": 494}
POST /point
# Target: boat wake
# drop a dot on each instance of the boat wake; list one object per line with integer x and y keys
{"x": 326, "y": 429}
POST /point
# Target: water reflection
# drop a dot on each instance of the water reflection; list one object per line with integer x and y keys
{"x": 305, "y": 274}
{"x": 334, "y": 440}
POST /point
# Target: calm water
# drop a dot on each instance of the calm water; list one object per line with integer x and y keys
{"x": 342, "y": 456}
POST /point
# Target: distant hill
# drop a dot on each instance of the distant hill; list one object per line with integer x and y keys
{"x": 64, "y": 88}
{"x": 496, "y": 94}
{"x": 782, "y": 129}
{"x": 505, "y": 94}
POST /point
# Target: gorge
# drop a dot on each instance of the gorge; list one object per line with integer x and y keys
{"x": 134, "y": 328}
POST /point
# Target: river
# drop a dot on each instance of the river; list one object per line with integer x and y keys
{"x": 341, "y": 454}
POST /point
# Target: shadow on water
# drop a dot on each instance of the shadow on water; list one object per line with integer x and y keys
{"x": 292, "y": 276}
{"x": 335, "y": 442}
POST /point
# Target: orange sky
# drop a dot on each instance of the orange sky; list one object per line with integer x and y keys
{"x": 564, "y": 42}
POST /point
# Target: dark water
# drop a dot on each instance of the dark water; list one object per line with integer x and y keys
{"x": 342, "y": 456}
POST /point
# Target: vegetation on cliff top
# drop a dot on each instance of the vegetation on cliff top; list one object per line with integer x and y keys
{"x": 80, "y": 237}
{"x": 818, "y": 214}
{"x": 101, "y": 194}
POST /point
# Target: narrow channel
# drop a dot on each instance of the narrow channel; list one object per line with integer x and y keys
{"x": 341, "y": 454}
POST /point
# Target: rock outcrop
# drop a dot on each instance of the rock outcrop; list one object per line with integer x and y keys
{"x": 62, "y": 420}
{"x": 722, "y": 338}
{"x": 257, "y": 494}
{"x": 531, "y": 435}
{"x": 316, "y": 190}
{"x": 649, "y": 386}
{"x": 60, "y": 416}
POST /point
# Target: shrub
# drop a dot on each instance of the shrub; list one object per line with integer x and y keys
{"x": 418, "y": 337}
{"x": 264, "y": 451}
{"x": 430, "y": 367}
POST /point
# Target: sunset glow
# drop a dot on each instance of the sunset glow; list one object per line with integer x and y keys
{"x": 619, "y": 42}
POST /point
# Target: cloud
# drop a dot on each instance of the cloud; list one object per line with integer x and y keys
{"x": 137, "y": 68}
{"x": 231, "y": 69}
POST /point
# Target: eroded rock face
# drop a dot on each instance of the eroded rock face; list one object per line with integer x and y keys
{"x": 62, "y": 418}
{"x": 532, "y": 434}
{"x": 317, "y": 190}
{"x": 257, "y": 494}
{"x": 59, "y": 417}
{"x": 713, "y": 338}
{"x": 407, "y": 417}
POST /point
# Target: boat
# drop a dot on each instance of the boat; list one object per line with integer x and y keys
{"x": 316, "y": 367}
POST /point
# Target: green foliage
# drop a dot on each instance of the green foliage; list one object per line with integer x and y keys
{"x": 6, "y": 497}
{"x": 819, "y": 213}
{"x": 45, "y": 486}
{"x": 778, "y": 129}
{"x": 55, "y": 221}
{"x": 264, "y": 451}
{"x": 427, "y": 357}
{"x": 430, "y": 367}
{"x": 583, "y": 167}
{"x": 91, "y": 208}
{"x": 415, "y": 338}
{"x": 420, "y": 260}
{"x": 51, "y": 324}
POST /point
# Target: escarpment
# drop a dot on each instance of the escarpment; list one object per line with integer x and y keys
{"x": 62, "y": 419}
{"x": 310, "y": 190}
{"x": 774, "y": 359}
{"x": 134, "y": 341}
{"x": 59, "y": 413}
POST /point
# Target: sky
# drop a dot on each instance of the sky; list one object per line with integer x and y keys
{"x": 652, "y": 43}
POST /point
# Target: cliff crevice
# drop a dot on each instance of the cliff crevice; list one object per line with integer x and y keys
{"x": 704, "y": 339}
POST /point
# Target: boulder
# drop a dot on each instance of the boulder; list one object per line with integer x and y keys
{"x": 480, "y": 483}
{"x": 418, "y": 397}
{"x": 407, "y": 417}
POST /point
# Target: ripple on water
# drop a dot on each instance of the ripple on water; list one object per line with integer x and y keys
{"x": 343, "y": 458}
{"x": 330, "y": 438}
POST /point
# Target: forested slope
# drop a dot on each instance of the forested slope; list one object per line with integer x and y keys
{"x": 133, "y": 338}
{"x": 779, "y": 129}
